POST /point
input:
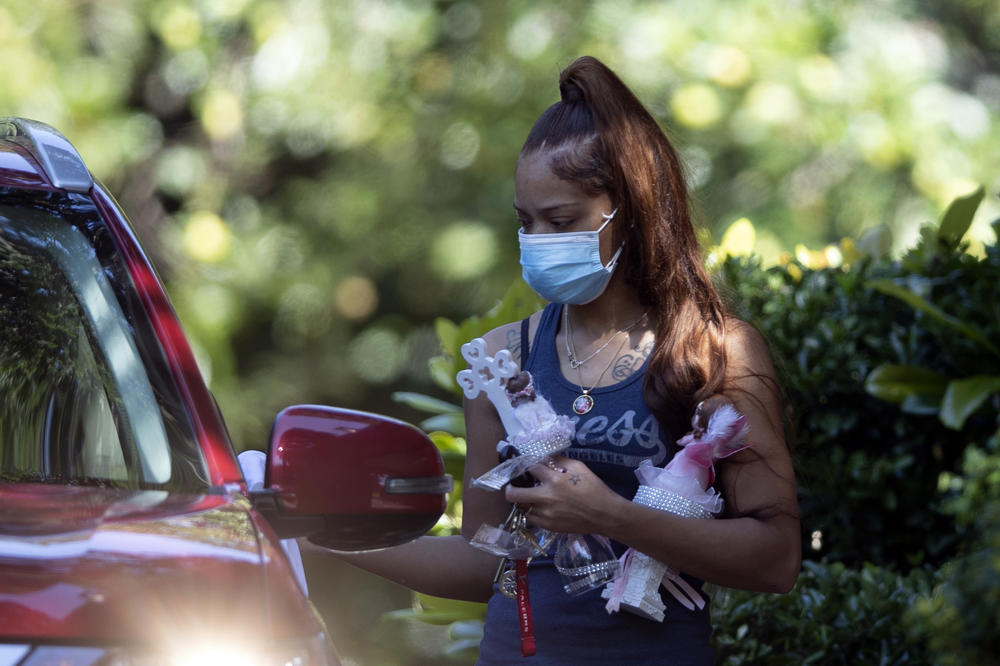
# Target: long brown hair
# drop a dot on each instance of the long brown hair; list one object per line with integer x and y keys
{"x": 602, "y": 137}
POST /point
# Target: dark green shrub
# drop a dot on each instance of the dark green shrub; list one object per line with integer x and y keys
{"x": 835, "y": 615}
{"x": 869, "y": 469}
{"x": 961, "y": 618}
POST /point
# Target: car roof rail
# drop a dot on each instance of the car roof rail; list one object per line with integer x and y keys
{"x": 59, "y": 159}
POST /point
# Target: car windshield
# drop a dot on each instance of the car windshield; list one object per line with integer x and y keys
{"x": 84, "y": 393}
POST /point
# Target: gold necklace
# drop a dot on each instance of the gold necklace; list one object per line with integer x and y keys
{"x": 584, "y": 402}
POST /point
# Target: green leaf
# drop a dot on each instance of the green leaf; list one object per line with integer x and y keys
{"x": 453, "y": 423}
{"x": 921, "y": 403}
{"x": 958, "y": 218}
{"x": 400, "y": 614}
{"x": 466, "y": 629}
{"x": 964, "y": 396}
{"x": 443, "y": 373}
{"x": 425, "y": 403}
{"x": 918, "y": 302}
{"x": 454, "y": 464}
{"x": 427, "y": 617}
{"x": 465, "y": 648}
{"x": 446, "y": 332}
{"x": 893, "y": 383}
{"x": 436, "y": 610}
{"x": 447, "y": 442}
{"x": 518, "y": 302}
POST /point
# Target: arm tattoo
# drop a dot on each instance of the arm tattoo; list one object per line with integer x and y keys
{"x": 514, "y": 342}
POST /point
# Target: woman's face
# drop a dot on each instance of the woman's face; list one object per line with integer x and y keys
{"x": 547, "y": 204}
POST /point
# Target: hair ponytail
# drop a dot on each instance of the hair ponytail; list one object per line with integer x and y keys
{"x": 602, "y": 137}
{"x": 570, "y": 93}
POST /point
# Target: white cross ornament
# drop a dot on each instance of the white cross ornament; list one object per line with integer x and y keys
{"x": 489, "y": 374}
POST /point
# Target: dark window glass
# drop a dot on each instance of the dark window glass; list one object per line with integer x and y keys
{"x": 84, "y": 395}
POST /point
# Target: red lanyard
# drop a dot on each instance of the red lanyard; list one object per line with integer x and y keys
{"x": 524, "y": 609}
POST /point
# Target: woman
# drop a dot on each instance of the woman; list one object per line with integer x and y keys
{"x": 635, "y": 336}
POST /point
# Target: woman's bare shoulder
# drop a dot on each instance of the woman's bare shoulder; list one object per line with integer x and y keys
{"x": 508, "y": 336}
{"x": 746, "y": 347}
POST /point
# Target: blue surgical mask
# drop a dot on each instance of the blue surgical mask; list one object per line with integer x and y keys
{"x": 566, "y": 267}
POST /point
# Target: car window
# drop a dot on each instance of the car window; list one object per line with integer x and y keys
{"x": 77, "y": 400}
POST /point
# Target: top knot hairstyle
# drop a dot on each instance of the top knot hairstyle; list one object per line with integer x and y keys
{"x": 601, "y": 137}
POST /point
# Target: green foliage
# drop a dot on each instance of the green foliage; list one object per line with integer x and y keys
{"x": 911, "y": 385}
{"x": 963, "y": 397}
{"x": 517, "y": 303}
{"x": 834, "y": 615}
{"x": 961, "y": 618}
{"x": 861, "y": 484}
{"x": 881, "y": 482}
{"x": 447, "y": 415}
{"x": 40, "y": 311}
{"x": 915, "y": 331}
{"x": 921, "y": 390}
{"x": 452, "y": 450}
{"x": 317, "y": 182}
{"x": 463, "y": 619}
{"x": 907, "y": 294}
{"x": 958, "y": 218}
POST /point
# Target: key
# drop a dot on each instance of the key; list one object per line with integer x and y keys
{"x": 507, "y": 526}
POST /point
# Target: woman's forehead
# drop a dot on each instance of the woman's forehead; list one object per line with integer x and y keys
{"x": 537, "y": 186}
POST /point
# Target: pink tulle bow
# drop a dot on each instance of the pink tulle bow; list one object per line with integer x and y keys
{"x": 725, "y": 434}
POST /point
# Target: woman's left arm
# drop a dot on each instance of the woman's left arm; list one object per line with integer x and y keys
{"x": 756, "y": 545}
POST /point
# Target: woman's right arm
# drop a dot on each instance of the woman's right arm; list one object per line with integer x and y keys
{"x": 442, "y": 566}
{"x": 448, "y": 566}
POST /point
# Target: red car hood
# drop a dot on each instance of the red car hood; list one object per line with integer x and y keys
{"x": 108, "y": 565}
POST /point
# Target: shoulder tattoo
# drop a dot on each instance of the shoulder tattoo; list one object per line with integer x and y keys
{"x": 513, "y": 343}
{"x": 630, "y": 362}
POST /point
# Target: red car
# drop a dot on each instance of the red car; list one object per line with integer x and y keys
{"x": 128, "y": 534}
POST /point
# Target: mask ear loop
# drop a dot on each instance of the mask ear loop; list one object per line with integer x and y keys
{"x": 614, "y": 260}
{"x": 607, "y": 219}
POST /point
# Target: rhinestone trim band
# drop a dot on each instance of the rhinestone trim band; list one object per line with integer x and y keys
{"x": 665, "y": 500}
{"x": 599, "y": 568}
{"x": 546, "y": 442}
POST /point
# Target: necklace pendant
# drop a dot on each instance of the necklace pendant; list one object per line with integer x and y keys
{"x": 583, "y": 404}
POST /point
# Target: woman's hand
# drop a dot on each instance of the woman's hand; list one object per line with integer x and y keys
{"x": 568, "y": 498}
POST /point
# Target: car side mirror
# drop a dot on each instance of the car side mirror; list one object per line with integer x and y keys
{"x": 350, "y": 480}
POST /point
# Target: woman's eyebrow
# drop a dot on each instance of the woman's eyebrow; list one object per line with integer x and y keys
{"x": 550, "y": 208}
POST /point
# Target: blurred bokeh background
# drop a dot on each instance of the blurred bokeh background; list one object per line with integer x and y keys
{"x": 317, "y": 182}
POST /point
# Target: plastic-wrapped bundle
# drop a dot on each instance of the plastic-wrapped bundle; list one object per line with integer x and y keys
{"x": 683, "y": 487}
